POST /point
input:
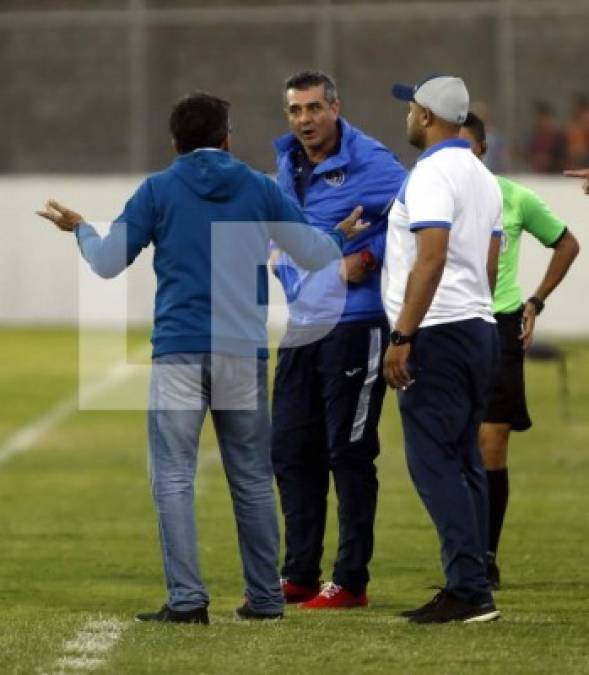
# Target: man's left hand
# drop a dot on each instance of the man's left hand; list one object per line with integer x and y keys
{"x": 528, "y": 325}
{"x": 395, "y": 366}
{"x": 353, "y": 268}
{"x": 64, "y": 218}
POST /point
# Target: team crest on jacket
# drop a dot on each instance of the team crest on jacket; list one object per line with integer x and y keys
{"x": 335, "y": 177}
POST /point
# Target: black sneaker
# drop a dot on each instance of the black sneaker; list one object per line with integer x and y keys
{"x": 451, "y": 608}
{"x": 408, "y": 613}
{"x": 493, "y": 574}
{"x": 246, "y": 613}
{"x": 197, "y": 615}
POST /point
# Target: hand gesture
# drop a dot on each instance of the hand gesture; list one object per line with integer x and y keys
{"x": 352, "y": 226}
{"x": 580, "y": 173}
{"x": 353, "y": 268}
{"x": 64, "y": 218}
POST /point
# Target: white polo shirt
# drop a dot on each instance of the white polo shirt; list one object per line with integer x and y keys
{"x": 448, "y": 187}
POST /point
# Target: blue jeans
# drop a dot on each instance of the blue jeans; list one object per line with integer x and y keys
{"x": 183, "y": 387}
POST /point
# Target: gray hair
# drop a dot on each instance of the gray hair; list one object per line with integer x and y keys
{"x": 306, "y": 79}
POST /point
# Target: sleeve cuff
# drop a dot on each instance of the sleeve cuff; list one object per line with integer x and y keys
{"x": 554, "y": 244}
{"x": 425, "y": 224}
{"x": 339, "y": 237}
{"x": 83, "y": 229}
{"x": 497, "y": 233}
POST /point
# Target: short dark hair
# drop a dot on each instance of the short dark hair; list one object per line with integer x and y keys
{"x": 199, "y": 120}
{"x": 476, "y": 126}
{"x": 306, "y": 79}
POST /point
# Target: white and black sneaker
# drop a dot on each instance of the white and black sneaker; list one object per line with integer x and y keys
{"x": 449, "y": 607}
{"x": 167, "y": 615}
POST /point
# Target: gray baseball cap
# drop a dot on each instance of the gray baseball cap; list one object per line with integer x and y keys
{"x": 445, "y": 95}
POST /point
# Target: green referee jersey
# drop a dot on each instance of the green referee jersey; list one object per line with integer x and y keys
{"x": 523, "y": 211}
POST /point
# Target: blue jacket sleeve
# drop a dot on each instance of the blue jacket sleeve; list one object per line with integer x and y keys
{"x": 131, "y": 232}
{"x": 310, "y": 248}
{"x": 382, "y": 181}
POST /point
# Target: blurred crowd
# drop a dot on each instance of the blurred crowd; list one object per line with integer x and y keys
{"x": 551, "y": 144}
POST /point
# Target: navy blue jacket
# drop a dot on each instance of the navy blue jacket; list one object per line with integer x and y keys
{"x": 363, "y": 172}
{"x": 210, "y": 218}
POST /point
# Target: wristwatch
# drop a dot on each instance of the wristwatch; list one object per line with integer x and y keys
{"x": 398, "y": 338}
{"x": 538, "y": 304}
{"x": 368, "y": 260}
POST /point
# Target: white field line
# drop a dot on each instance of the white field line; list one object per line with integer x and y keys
{"x": 26, "y": 437}
{"x": 89, "y": 648}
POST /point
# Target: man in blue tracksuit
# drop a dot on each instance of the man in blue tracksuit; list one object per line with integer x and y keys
{"x": 210, "y": 219}
{"x": 328, "y": 389}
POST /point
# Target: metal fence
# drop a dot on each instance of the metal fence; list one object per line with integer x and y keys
{"x": 87, "y": 86}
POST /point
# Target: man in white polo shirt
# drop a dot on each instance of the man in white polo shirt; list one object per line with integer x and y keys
{"x": 441, "y": 263}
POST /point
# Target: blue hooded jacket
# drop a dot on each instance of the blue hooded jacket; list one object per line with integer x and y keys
{"x": 210, "y": 218}
{"x": 363, "y": 172}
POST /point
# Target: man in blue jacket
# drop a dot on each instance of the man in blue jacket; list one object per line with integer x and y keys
{"x": 210, "y": 219}
{"x": 329, "y": 389}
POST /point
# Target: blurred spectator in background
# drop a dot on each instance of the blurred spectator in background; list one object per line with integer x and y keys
{"x": 577, "y": 133}
{"x": 546, "y": 147}
{"x": 497, "y": 158}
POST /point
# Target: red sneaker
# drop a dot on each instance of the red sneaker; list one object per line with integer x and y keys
{"x": 333, "y": 596}
{"x": 297, "y": 592}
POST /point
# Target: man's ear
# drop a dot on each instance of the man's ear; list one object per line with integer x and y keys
{"x": 336, "y": 107}
{"x": 428, "y": 118}
{"x": 484, "y": 148}
{"x": 226, "y": 143}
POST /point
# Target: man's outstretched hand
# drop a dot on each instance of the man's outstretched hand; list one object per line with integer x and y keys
{"x": 60, "y": 215}
{"x": 580, "y": 173}
{"x": 352, "y": 226}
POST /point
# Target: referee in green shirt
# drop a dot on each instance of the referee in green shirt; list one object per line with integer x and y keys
{"x": 523, "y": 211}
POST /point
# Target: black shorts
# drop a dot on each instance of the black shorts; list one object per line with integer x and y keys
{"x": 507, "y": 402}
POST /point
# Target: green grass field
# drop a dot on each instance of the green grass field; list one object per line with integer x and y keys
{"x": 79, "y": 544}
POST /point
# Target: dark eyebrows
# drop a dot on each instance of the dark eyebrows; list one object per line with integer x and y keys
{"x": 311, "y": 105}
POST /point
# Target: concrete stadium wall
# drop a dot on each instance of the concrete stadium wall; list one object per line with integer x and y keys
{"x": 39, "y": 266}
{"x": 87, "y": 85}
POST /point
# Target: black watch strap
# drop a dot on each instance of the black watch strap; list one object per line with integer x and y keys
{"x": 538, "y": 304}
{"x": 398, "y": 338}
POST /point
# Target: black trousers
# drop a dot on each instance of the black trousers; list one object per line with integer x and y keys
{"x": 453, "y": 366}
{"x": 326, "y": 406}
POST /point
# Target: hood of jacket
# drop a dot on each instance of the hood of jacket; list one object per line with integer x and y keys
{"x": 212, "y": 174}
